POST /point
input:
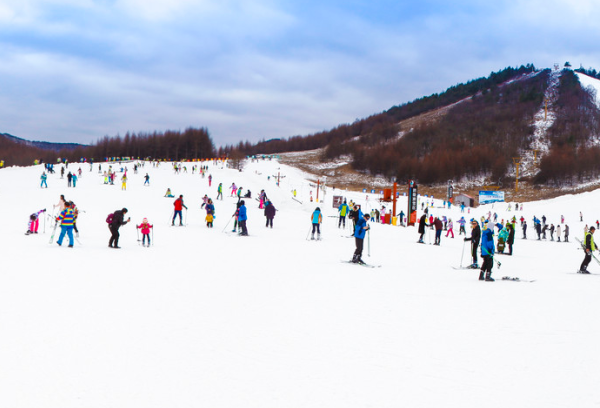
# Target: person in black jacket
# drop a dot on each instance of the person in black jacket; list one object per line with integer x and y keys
{"x": 475, "y": 237}
{"x": 511, "y": 237}
{"x": 269, "y": 212}
{"x": 117, "y": 220}
{"x": 422, "y": 225}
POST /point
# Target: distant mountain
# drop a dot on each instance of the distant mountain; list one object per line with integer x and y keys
{"x": 42, "y": 145}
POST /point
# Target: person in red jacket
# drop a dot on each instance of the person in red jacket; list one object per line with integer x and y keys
{"x": 179, "y": 206}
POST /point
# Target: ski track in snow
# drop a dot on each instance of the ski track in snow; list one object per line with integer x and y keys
{"x": 205, "y": 318}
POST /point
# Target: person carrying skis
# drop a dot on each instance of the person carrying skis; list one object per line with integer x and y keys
{"x": 475, "y": 237}
{"x": 145, "y": 229}
{"x": 343, "y": 210}
{"x": 179, "y": 206}
{"x": 117, "y": 219}
{"x": 359, "y": 238}
{"x": 66, "y": 219}
{"x": 487, "y": 253}
{"x": 589, "y": 247}
{"x": 34, "y": 222}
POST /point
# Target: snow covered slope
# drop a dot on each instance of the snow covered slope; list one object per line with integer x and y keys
{"x": 205, "y": 318}
{"x": 592, "y": 84}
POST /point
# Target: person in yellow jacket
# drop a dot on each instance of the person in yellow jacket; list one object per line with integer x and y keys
{"x": 343, "y": 210}
{"x": 67, "y": 220}
{"x": 589, "y": 247}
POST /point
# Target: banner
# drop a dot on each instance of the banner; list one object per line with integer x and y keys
{"x": 487, "y": 197}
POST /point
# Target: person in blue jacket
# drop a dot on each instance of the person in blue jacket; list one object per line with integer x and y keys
{"x": 242, "y": 217}
{"x": 487, "y": 253}
{"x": 359, "y": 236}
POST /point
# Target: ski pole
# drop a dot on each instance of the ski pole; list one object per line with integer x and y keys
{"x": 463, "y": 253}
{"x": 369, "y": 242}
{"x": 228, "y": 223}
{"x": 307, "y": 235}
{"x": 138, "y": 235}
{"x": 186, "y": 212}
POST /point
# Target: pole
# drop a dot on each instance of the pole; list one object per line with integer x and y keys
{"x": 369, "y": 242}
{"x": 318, "y": 184}
{"x": 228, "y": 223}
{"x": 394, "y": 199}
{"x": 463, "y": 254}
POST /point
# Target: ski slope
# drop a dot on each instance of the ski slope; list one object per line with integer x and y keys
{"x": 205, "y": 318}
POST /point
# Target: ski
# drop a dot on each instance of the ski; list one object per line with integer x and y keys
{"x": 366, "y": 265}
{"x": 53, "y": 232}
{"x": 516, "y": 279}
{"x": 583, "y": 247}
{"x": 464, "y": 268}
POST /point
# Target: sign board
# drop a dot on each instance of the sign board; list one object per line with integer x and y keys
{"x": 337, "y": 201}
{"x": 487, "y": 197}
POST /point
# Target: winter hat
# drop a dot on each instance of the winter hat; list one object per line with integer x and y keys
{"x": 145, "y": 219}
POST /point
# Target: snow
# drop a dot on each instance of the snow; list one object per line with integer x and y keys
{"x": 205, "y": 318}
{"x": 593, "y": 84}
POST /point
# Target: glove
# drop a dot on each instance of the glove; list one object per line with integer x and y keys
{"x": 466, "y": 239}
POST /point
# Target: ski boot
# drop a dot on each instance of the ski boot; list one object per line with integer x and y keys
{"x": 488, "y": 277}
{"x": 481, "y": 276}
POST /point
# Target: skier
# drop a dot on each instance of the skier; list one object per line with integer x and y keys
{"x": 524, "y": 226}
{"x": 487, "y": 253}
{"x": 147, "y": 181}
{"x": 270, "y": 211}
{"x": 558, "y": 231}
{"x": 450, "y": 228}
{"x": 179, "y": 206}
{"x": 66, "y": 219}
{"x": 359, "y": 236}
{"x": 475, "y": 237}
{"x": 242, "y": 218}
{"x": 117, "y": 219}
{"x": 589, "y": 247}
{"x": 124, "y": 182}
{"x": 34, "y": 222}
{"x": 44, "y": 177}
{"x": 210, "y": 209}
{"x": 145, "y": 229}
{"x": 343, "y": 210}
{"x": 62, "y": 203}
{"x": 566, "y": 233}
{"x": 220, "y": 191}
{"x": 168, "y": 193}
{"x": 462, "y": 223}
{"x": 69, "y": 179}
{"x": 316, "y": 219}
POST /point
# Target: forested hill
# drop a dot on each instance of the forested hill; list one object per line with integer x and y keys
{"x": 473, "y": 131}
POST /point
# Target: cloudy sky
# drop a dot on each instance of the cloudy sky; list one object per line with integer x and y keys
{"x": 76, "y": 70}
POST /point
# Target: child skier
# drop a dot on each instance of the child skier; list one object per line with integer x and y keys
{"x": 34, "y": 222}
{"x": 145, "y": 228}
{"x": 316, "y": 219}
{"x": 209, "y": 220}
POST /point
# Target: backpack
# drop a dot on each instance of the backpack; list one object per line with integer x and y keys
{"x": 110, "y": 217}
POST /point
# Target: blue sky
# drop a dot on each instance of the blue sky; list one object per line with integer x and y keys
{"x": 77, "y": 70}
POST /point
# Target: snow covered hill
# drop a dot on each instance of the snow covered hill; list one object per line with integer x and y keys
{"x": 206, "y": 318}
